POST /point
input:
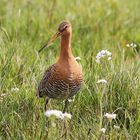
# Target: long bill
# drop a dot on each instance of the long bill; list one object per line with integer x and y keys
{"x": 54, "y": 37}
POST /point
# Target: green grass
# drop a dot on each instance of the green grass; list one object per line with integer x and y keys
{"x": 105, "y": 24}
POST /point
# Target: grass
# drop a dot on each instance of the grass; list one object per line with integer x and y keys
{"x": 106, "y": 24}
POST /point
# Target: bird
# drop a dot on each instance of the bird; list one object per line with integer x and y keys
{"x": 64, "y": 78}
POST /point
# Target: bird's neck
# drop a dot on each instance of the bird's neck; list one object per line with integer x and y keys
{"x": 66, "y": 52}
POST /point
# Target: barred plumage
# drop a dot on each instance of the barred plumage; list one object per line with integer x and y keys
{"x": 54, "y": 85}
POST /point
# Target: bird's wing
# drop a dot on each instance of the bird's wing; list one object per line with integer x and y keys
{"x": 44, "y": 81}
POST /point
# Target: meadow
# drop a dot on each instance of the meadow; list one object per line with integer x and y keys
{"x": 112, "y": 25}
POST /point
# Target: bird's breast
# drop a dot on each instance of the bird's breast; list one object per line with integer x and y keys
{"x": 69, "y": 70}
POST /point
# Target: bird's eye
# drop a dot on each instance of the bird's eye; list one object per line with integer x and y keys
{"x": 65, "y": 26}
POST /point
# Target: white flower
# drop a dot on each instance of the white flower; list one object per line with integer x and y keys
{"x": 108, "y": 53}
{"x": 103, "y": 130}
{"x": 103, "y": 81}
{"x": 77, "y": 58}
{"x": 109, "y": 58}
{"x": 132, "y": 45}
{"x": 15, "y": 89}
{"x": 58, "y": 114}
{"x": 98, "y": 60}
{"x": 67, "y": 115}
{"x": 3, "y": 95}
{"x": 116, "y": 127}
{"x": 110, "y": 116}
{"x": 53, "y": 124}
{"x": 102, "y": 54}
{"x": 127, "y": 45}
{"x": 70, "y": 100}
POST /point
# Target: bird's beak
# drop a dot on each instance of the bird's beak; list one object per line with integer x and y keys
{"x": 54, "y": 37}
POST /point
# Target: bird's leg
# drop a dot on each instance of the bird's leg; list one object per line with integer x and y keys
{"x": 47, "y": 120}
{"x": 46, "y": 102}
{"x": 66, "y": 101}
{"x": 65, "y": 105}
{"x": 65, "y": 129}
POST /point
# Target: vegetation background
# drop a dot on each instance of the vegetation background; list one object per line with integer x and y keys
{"x": 97, "y": 24}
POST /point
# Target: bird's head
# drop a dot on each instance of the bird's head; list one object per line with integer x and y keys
{"x": 64, "y": 29}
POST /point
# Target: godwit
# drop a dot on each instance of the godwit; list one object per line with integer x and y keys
{"x": 63, "y": 79}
